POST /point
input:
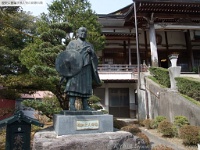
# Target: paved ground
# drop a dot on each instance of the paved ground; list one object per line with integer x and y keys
{"x": 157, "y": 141}
{"x": 191, "y": 75}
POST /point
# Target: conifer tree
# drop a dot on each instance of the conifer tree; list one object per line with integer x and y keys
{"x": 63, "y": 20}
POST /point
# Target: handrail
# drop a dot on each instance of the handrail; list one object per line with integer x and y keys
{"x": 120, "y": 68}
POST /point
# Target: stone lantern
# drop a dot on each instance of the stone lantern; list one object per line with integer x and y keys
{"x": 173, "y": 58}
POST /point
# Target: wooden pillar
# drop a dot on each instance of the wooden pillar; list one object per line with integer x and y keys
{"x": 129, "y": 52}
{"x": 167, "y": 46}
{"x": 146, "y": 48}
{"x": 125, "y": 53}
{"x": 153, "y": 45}
{"x": 189, "y": 49}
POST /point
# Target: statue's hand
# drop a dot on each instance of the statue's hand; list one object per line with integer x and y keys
{"x": 89, "y": 51}
{"x": 62, "y": 80}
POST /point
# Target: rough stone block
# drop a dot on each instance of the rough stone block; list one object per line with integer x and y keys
{"x": 47, "y": 140}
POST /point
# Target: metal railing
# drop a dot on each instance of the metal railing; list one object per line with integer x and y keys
{"x": 120, "y": 68}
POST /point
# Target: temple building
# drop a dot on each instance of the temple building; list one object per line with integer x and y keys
{"x": 140, "y": 35}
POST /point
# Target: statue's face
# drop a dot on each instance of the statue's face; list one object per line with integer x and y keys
{"x": 82, "y": 33}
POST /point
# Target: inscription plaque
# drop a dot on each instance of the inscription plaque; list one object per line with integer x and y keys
{"x": 87, "y": 124}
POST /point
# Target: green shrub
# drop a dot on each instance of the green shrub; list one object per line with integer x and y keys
{"x": 141, "y": 123}
{"x": 189, "y": 87}
{"x": 94, "y": 102}
{"x": 162, "y": 147}
{"x": 157, "y": 120}
{"x": 190, "y": 134}
{"x": 152, "y": 124}
{"x": 144, "y": 137}
{"x": 94, "y": 99}
{"x": 132, "y": 129}
{"x": 147, "y": 123}
{"x": 96, "y": 106}
{"x": 161, "y": 75}
{"x": 166, "y": 128}
{"x": 119, "y": 123}
{"x": 195, "y": 69}
{"x": 104, "y": 111}
{"x": 180, "y": 121}
{"x": 48, "y": 106}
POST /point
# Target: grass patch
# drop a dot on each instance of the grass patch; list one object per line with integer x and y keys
{"x": 185, "y": 96}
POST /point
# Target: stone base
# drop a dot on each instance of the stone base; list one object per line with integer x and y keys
{"x": 82, "y": 124}
{"x": 47, "y": 140}
{"x": 81, "y": 112}
{"x": 173, "y": 73}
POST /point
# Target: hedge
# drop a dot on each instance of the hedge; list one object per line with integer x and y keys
{"x": 189, "y": 87}
{"x": 161, "y": 75}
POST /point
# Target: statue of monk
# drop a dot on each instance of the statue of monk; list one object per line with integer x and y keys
{"x": 80, "y": 84}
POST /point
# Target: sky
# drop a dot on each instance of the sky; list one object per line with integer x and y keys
{"x": 99, "y": 6}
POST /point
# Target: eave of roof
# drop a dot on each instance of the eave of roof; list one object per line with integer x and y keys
{"x": 177, "y": 12}
{"x": 19, "y": 116}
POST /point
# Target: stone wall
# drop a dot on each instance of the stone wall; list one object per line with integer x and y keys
{"x": 156, "y": 100}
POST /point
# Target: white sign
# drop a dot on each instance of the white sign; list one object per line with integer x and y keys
{"x": 21, "y": 2}
{"x": 87, "y": 124}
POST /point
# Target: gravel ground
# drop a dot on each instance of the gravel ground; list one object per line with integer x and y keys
{"x": 156, "y": 139}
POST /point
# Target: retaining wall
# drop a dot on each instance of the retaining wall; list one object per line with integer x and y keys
{"x": 156, "y": 100}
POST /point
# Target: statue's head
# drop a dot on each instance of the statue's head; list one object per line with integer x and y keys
{"x": 82, "y": 33}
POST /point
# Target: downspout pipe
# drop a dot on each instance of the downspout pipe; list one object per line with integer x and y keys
{"x": 138, "y": 61}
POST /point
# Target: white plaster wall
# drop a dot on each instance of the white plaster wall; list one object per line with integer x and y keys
{"x": 116, "y": 75}
{"x": 176, "y": 37}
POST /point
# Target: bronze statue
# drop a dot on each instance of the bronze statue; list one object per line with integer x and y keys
{"x": 78, "y": 64}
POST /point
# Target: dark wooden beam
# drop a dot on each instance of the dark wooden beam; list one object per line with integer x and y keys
{"x": 167, "y": 16}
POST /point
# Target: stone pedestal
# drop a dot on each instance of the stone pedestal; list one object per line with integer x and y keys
{"x": 174, "y": 72}
{"x": 82, "y": 122}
